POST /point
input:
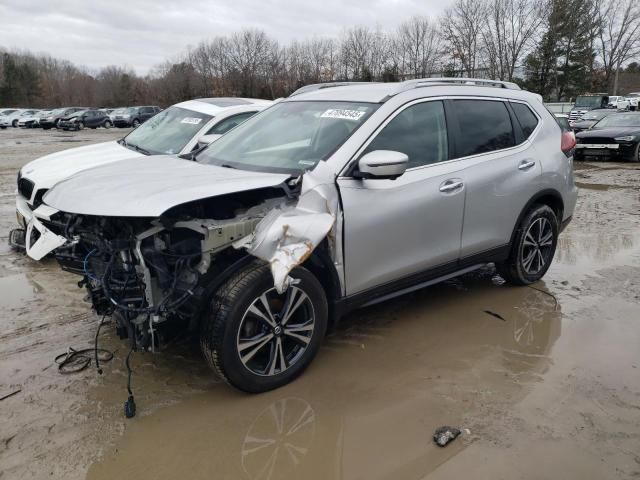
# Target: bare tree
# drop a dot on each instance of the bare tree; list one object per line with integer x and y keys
{"x": 619, "y": 36}
{"x": 417, "y": 47}
{"x": 462, "y": 26}
{"x": 511, "y": 26}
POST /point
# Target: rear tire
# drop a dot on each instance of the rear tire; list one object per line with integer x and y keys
{"x": 247, "y": 337}
{"x": 135, "y": 123}
{"x": 108, "y": 124}
{"x": 14, "y": 124}
{"x": 636, "y": 156}
{"x": 533, "y": 247}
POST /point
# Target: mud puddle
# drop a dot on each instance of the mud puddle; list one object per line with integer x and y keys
{"x": 551, "y": 387}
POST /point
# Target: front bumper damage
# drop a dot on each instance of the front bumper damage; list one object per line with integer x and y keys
{"x": 281, "y": 231}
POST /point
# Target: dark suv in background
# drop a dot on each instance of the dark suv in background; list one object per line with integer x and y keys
{"x": 134, "y": 116}
{"x": 51, "y": 120}
{"x": 85, "y": 118}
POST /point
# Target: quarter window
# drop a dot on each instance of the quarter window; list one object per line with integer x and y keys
{"x": 526, "y": 118}
{"x": 485, "y": 126}
{"x": 419, "y": 131}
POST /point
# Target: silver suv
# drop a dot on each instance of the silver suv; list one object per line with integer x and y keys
{"x": 336, "y": 197}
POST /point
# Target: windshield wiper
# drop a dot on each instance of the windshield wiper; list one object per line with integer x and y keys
{"x": 139, "y": 149}
{"x": 226, "y": 165}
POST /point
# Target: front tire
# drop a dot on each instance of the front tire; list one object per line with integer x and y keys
{"x": 258, "y": 340}
{"x": 80, "y": 126}
{"x": 533, "y": 248}
{"x": 108, "y": 124}
{"x": 135, "y": 123}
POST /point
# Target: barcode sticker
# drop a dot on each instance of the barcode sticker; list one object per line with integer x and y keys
{"x": 354, "y": 115}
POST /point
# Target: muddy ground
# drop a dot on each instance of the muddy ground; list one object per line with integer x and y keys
{"x": 546, "y": 379}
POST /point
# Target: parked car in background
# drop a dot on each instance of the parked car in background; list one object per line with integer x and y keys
{"x": 590, "y": 118}
{"x": 32, "y": 121}
{"x": 587, "y": 102}
{"x": 51, "y": 121}
{"x": 134, "y": 116}
{"x": 115, "y": 112}
{"x": 633, "y": 99}
{"x": 613, "y": 101}
{"x": 623, "y": 103}
{"x": 12, "y": 119}
{"x": 614, "y": 137}
{"x": 179, "y": 129}
{"x": 7, "y": 111}
{"x": 85, "y": 118}
{"x": 335, "y": 198}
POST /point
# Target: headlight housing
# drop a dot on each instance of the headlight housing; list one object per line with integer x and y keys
{"x": 626, "y": 138}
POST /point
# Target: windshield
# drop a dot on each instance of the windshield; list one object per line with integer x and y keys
{"x": 131, "y": 110}
{"x": 118, "y": 111}
{"x": 168, "y": 131}
{"x": 589, "y": 101}
{"x": 289, "y": 137}
{"x": 58, "y": 111}
{"x": 620, "y": 120}
{"x": 633, "y": 95}
{"x": 594, "y": 115}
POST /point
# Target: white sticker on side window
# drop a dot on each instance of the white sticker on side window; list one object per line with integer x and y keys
{"x": 354, "y": 115}
{"x": 191, "y": 120}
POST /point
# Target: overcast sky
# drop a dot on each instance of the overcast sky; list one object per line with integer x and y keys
{"x": 143, "y": 33}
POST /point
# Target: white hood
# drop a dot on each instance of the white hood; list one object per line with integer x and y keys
{"x": 150, "y": 186}
{"x": 46, "y": 171}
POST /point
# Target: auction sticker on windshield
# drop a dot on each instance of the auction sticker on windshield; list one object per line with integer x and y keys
{"x": 191, "y": 120}
{"x": 354, "y": 115}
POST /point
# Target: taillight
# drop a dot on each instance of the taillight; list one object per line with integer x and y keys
{"x": 568, "y": 143}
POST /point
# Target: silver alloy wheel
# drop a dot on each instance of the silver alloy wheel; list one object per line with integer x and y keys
{"x": 275, "y": 331}
{"x": 537, "y": 246}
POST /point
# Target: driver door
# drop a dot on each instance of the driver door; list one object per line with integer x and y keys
{"x": 396, "y": 229}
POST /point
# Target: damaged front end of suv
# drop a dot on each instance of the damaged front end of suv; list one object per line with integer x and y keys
{"x": 161, "y": 273}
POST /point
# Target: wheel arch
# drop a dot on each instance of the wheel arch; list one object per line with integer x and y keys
{"x": 549, "y": 197}
{"x": 321, "y": 266}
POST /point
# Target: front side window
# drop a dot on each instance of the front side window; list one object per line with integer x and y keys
{"x": 527, "y": 119}
{"x": 485, "y": 126}
{"x": 419, "y": 131}
{"x": 168, "y": 131}
{"x": 289, "y": 137}
{"x": 227, "y": 124}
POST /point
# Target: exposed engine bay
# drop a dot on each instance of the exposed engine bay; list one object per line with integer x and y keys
{"x": 155, "y": 275}
{"x": 154, "y": 272}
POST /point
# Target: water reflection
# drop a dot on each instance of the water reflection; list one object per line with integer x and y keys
{"x": 370, "y": 402}
{"x": 278, "y": 439}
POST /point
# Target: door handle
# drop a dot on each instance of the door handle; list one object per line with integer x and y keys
{"x": 526, "y": 164}
{"x": 451, "y": 185}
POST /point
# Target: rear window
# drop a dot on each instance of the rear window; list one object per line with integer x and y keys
{"x": 527, "y": 119}
{"x": 485, "y": 126}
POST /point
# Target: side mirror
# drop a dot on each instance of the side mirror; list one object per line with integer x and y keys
{"x": 207, "y": 139}
{"x": 382, "y": 164}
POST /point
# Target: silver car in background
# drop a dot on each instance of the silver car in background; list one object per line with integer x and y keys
{"x": 336, "y": 197}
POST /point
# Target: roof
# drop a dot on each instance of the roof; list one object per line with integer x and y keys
{"x": 212, "y": 106}
{"x": 380, "y": 92}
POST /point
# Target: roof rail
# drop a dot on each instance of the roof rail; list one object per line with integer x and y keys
{"x": 320, "y": 86}
{"x": 481, "y": 82}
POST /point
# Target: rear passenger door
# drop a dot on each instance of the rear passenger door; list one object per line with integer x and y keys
{"x": 501, "y": 172}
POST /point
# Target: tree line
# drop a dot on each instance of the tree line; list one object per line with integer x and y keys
{"x": 558, "y": 48}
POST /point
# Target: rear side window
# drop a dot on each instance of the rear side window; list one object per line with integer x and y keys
{"x": 418, "y": 131}
{"x": 485, "y": 126}
{"x": 527, "y": 119}
{"x": 227, "y": 124}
